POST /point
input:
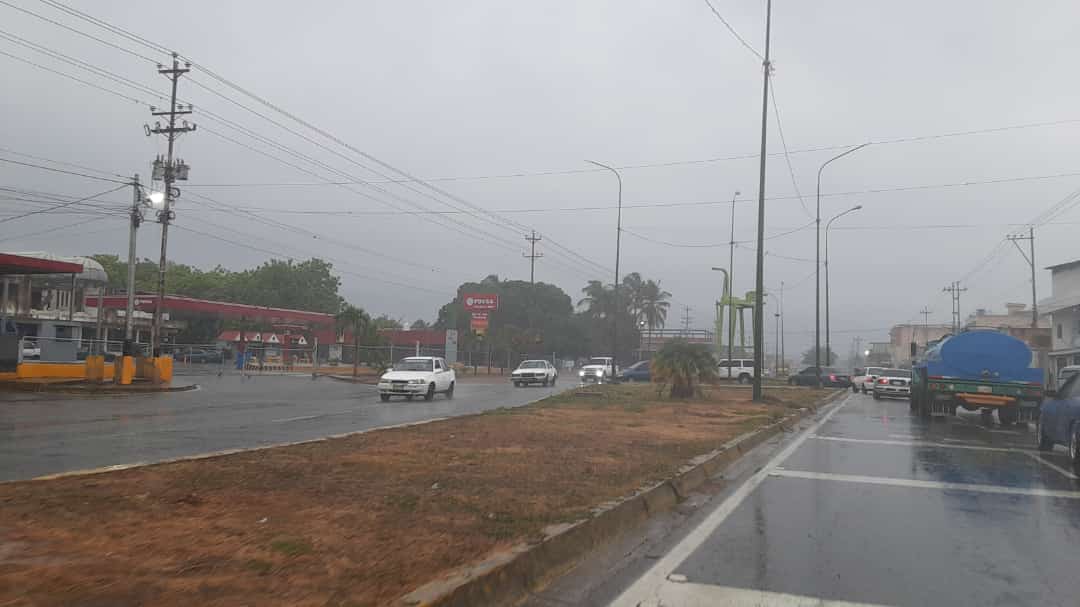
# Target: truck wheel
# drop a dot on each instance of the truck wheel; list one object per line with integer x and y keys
{"x": 854, "y": 388}
{"x": 384, "y": 397}
{"x": 1044, "y": 442}
{"x": 1007, "y": 416}
{"x": 553, "y": 378}
{"x": 450, "y": 391}
{"x": 430, "y": 394}
{"x": 1074, "y": 445}
{"x": 876, "y": 395}
{"x": 864, "y": 389}
{"x": 545, "y": 382}
{"x": 913, "y": 402}
{"x": 745, "y": 377}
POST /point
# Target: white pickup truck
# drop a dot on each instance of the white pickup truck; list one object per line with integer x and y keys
{"x": 598, "y": 370}
{"x": 418, "y": 376}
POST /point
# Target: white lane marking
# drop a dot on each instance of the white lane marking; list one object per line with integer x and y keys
{"x": 1049, "y": 464}
{"x": 293, "y": 419}
{"x": 916, "y": 443}
{"x": 922, "y": 484}
{"x": 904, "y": 436}
{"x": 706, "y": 595}
{"x": 647, "y": 587}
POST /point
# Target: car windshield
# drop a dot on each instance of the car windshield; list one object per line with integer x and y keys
{"x": 599, "y": 361}
{"x": 414, "y": 365}
{"x": 873, "y": 371}
{"x": 896, "y": 373}
{"x": 532, "y": 364}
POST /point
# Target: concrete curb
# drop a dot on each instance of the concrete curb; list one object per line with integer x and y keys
{"x": 508, "y": 577}
{"x": 84, "y": 389}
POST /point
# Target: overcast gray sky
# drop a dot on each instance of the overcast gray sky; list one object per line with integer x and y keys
{"x": 494, "y": 88}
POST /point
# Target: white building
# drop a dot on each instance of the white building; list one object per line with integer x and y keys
{"x": 1063, "y": 306}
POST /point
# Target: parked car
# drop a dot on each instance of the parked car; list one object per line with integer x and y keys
{"x": 200, "y": 355}
{"x": 638, "y": 371}
{"x": 739, "y": 369}
{"x": 598, "y": 370}
{"x": 830, "y": 378}
{"x": 30, "y": 349}
{"x": 534, "y": 372}
{"x": 1059, "y": 420}
{"x": 418, "y": 376}
{"x": 892, "y": 382}
{"x": 1065, "y": 373}
{"x": 864, "y": 379}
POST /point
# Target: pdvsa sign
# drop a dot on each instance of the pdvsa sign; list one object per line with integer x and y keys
{"x": 479, "y": 302}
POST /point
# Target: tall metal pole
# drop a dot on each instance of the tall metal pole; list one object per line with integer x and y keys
{"x": 777, "y": 367}
{"x": 817, "y": 263}
{"x": 759, "y": 286}
{"x": 1034, "y": 301}
{"x": 828, "y": 341}
{"x": 136, "y": 219}
{"x": 618, "y": 237}
{"x": 731, "y": 287}
{"x": 783, "y": 355}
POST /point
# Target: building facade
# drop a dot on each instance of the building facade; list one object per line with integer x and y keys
{"x": 1063, "y": 308}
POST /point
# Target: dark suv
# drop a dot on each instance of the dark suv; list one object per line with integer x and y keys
{"x": 830, "y": 378}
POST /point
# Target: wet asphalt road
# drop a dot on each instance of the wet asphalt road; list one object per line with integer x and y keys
{"x": 867, "y": 506}
{"x": 42, "y": 435}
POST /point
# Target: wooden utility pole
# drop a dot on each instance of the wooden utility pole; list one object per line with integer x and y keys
{"x": 1030, "y": 237}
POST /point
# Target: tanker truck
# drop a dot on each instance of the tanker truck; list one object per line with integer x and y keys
{"x": 977, "y": 370}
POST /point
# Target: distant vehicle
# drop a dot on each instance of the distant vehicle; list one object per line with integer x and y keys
{"x": 638, "y": 371}
{"x": 892, "y": 382}
{"x": 739, "y": 369}
{"x": 830, "y": 378}
{"x": 983, "y": 369}
{"x": 1065, "y": 373}
{"x": 31, "y": 350}
{"x": 200, "y": 355}
{"x": 1059, "y": 420}
{"x": 598, "y": 370}
{"x": 864, "y": 379}
{"x": 534, "y": 372}
{"x": 418, "y": 376}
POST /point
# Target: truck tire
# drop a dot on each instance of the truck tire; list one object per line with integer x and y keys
{"x": 450, "y": 391}
{"x": 430, "y": 394}
{"x": 876, "y": 395}
{"x": 854, "y": 388}
{"x": 1007, "y": 416}
{"x": 744, "y": 378}
{"x": 1044, "y": 442}
{"x": 384, "y": 397}
{"x": 1074, "y": 445}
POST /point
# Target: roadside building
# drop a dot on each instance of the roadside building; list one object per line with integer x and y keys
{"x": 1017, "y": 321}
{"x": 902, "y": 336}
{"x": 1063, "y": 308}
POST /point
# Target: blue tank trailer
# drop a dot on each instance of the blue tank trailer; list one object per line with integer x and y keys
{"x": 977, "y": 370}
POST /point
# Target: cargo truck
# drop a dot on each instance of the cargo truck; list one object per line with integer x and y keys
{"x": 977, "y": 370}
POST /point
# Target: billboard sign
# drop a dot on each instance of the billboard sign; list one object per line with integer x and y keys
{"x": 479, "y": 322}
{"x": 480, "y": 302}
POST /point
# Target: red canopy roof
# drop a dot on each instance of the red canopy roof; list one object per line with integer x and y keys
{"x": 12, "y": 264}
{"x": 223, "y": 309}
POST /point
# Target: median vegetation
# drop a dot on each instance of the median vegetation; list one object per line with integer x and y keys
{"x": 359, "y": 520}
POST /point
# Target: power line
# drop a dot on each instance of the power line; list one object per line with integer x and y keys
{"x": 59, "y": 162}
{"x": 787, "y": 156}
{"x": 62, "y": 205}
{"x": 79, "y": 32}
{"x": 45, "y": 168}
{"x": 733, "y": 32}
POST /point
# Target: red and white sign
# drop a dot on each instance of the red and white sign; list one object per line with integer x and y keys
{"x": 479, "y": 320}
{"x": 480, "y": 302}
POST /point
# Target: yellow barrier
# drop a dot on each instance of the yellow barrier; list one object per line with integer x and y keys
{"x": 127, "y": 370}
{"x": 51, "y": 371}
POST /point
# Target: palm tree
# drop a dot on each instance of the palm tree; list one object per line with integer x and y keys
{"x": 654, "y": 306}
{"x": 598, "y": 301}
{"x": 684, "y": 365}
{"x": 357, "y": 321}
{"x": 633, "y": 287}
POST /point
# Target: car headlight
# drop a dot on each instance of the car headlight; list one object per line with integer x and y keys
{"x": 581, "y": 373}
{"x": 416, "y": 381}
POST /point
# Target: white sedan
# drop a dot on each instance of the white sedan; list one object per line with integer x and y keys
{"x": 534, "y": 372}
{"x": 418, "y": 376}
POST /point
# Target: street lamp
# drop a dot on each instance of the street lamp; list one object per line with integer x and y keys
{"x": 731, "y": 281}
{"x": 817, "y": 264}
{"x": 727, "y": 287}
{"x": 828, "y": 351}
{"x": 618, "y": 237}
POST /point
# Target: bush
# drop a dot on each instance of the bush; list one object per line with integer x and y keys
{"x": 684, "y": 366}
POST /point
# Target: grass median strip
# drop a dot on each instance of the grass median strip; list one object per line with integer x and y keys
{"x": 359, "y": 520}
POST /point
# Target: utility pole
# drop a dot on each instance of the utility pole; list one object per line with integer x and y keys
{"x": 1014, "y": 238}
{"x": 955, "y": 290}
{"x": 687, "y": 319}
{"x": 731, "y": 286}
{"x": 532, "y": 256}
{"x": 759, "y": 286}
{"x": 777, "y": 367}
{"x": 925, "y": 325}
{"x": 136, "y": 219}
{"x": 170, "y": 172}
{"x": 783, "y": 355}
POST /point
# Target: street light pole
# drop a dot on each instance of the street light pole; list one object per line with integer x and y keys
{"x": 730, "y": 274}
{"x": 618, "y": 237}
{"x": 759, "y": 283}
{"x": 828, "y": 343}
{"x": 726, "y": 290}
{"x": 817, "y": 264}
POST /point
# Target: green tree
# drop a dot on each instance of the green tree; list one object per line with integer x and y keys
{"x": 419, "y": 324}
{"x": 654, "y": 306}
{"x": 683, "y": 366}
{"x": 356, "y": 321}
